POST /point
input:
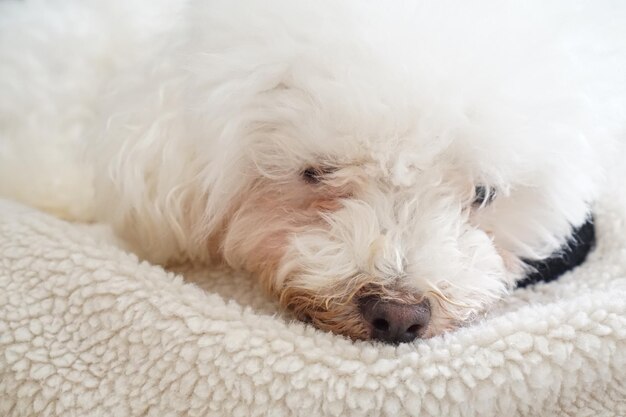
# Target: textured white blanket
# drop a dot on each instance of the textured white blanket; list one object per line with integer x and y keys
{"x": 87, "y": 330}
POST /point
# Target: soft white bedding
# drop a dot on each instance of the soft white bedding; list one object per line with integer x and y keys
{"x": 88, "y": 330}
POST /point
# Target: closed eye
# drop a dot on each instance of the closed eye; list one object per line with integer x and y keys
{"x": 314, "y": 175}
{"x": 483, "y": 196}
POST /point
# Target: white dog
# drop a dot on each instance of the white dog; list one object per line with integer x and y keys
{"x": 385, "y": 168}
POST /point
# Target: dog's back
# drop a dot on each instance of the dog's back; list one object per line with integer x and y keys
{"x": 56, "y": 58}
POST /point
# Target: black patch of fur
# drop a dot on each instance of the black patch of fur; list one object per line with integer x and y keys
{"x": 574, "y": 253}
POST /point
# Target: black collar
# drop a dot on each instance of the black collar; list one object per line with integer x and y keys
{"x": 572, "y": 254}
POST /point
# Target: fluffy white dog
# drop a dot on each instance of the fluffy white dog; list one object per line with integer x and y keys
{"x": 385, "y": 168}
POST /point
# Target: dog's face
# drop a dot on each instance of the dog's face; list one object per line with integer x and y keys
{"x": 334, "y": 235}
{"x": 372, "y": 229}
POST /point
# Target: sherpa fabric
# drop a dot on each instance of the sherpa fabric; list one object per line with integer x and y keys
{"x": 88, "y": 330}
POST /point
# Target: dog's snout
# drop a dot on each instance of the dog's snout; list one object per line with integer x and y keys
{"x": 394, "y": 322}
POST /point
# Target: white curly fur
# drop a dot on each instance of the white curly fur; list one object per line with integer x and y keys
{"x": 187, "y": 125}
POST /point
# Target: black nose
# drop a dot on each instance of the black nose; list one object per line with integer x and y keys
{"x": 394, "y": 322}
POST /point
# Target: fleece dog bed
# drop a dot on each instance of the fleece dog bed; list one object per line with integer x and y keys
{"x": 88, "y": 330}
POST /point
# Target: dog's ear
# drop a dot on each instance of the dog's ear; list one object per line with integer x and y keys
{"x": 159, "y": 165}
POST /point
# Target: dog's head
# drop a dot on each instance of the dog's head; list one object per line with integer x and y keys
{"x": 380, "y": 186}
{"x": 370, "y": 242}
{"x": 376, "y": 215}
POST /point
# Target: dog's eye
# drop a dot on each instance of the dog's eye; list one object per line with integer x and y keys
{"x": 483, "y": 196}
{"x": 313, "y": 175}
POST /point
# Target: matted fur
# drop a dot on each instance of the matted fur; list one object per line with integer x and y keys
{"x": 188, "y": 125}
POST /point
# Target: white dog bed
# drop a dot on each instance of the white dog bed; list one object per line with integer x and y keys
{"x": 87, "y": 330}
